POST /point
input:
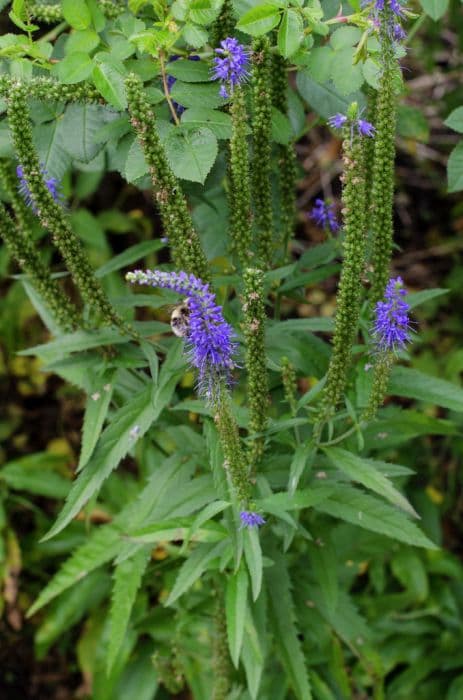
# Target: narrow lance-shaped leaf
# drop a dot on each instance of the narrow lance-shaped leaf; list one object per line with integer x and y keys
{"x": 235, "y": 608}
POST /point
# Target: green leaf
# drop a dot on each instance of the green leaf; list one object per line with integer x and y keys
{"x": 129, "y": 424}
{"x": 194, "y": 567}
{"x": 415, "y": 299}
{"x": 285, "y": 633}
{"x": 282, "y": 130}
{"x": 252, "y": 656}
{"x": 412, "y": 123}
{"x": 129, "y": 256}
{"x": 324, "y": 565}
{"x": 290, "y": 33}
{"x": 345, "y": 37}
{"x": 455, "y": 120}
{"x": 416, "y": 385}
{"x": 259, "y": 20}
{"x": 218, "y": 122}
{"x": 363, "y": 472}
{"x": 455, "y": 169}
{"x": 102, "y": 545}
{"x": 127, "y": 579}
{"x": 36, "y": 474}
{"x": 235, "y": 609}
{"x": 324, "y": 99}
{"x": 76, "y": 13}
{"x": 319, "y": 63}
{"x": 96, "y": 410}
{"x": 108, "y": 76}
{"x": 435, "y": 8}
{"x": 179, "y": 529}
{"x": 197, "y": 94}
{"x": 347, "y": 76}
{"x": 195, "y": 36}
{"x": 191, "y": 152}
{"x": 74, "y": 67}
{"x": 135, "y": 164}
{"x": 298, "y": 464}
{"x": 350, "y": 504}
{"x": 253, "y": 556}
{"x": 49, "y": 143}
{"x": 79, "y": 125}
{"x": 189, "y": 71}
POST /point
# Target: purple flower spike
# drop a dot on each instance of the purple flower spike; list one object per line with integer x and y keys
{"x": 230, "y": 65}
{"x": 392, "y": 324}
{"x": 337, "y": 121}
{"x": 210, "y": 345}
{"x": 250, "y": 519}
{"x": 323, "y": 214}
{"x": 365, "y": 128}
{"x": 51, "y": 183}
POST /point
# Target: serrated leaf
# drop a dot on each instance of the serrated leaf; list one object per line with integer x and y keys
{"x": 324, "y": 99}
{"x": 218, "y": 122}
{"x": 324, "y": 565}
{"x": 129, "y": 424}
{"x": 189, "y": 71}
{"x": 197, "y": 94}
{"x": 259, "y": 20}
{"x": 252, "y": 654}
{"x": 102, "y": 545}
{"x": 253, "y": 556}
{"x": 285, "y": 632}
{"x": 194, "y": 567}
{"x": 368, "y": 512}
{"x": 416, "y": 385}
{"x": 36, "y": 473}
{"x": 415, "y": 299}
{"x": 178, "y": 529}
{"x": 306, "y": 498}
{"x": 191, "y": 152}
{"x": 76, "y": 13}
{"x": 346, "y": 76}
{"x": 363, "y": 472}
{"x": 235, "y": 609}
{"x": 127, "y": 579}
{"x": 49, "y": 143}
{"x": 74, "y": 68}
{"x": 109, "y": 81}
{"x": 129, "y": 256}
{"x": 96, "y": 410}
{"x": 290, "y": 33}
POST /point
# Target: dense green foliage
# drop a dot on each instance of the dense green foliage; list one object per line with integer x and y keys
{"x": 122, "y": 551}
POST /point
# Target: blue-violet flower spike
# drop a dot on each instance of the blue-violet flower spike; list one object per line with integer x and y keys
{"x": 337, "y": 121}
{"x": 51, "y": 183}
{"x": 365, "y": 128}
{"x": 323, "y": 214}
{"x": 230, "y": 65}
{"x": 210, "y": 344}
{"x": 392, "y": 324}
{"x": 250, "y": 519}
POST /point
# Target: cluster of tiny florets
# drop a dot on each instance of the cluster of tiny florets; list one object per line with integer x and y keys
{"x": 323, "y": 214}
{"x": 210, "y": 345}
{"x": 364, "y": 128}
{"x": 230, "y": 65}
{"x": 51, "y": 184}
{"x": 392, "y": 324}
{"x": 395, "y": 28}
{"x": 251, "y": 519}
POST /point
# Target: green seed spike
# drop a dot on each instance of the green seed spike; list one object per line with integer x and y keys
{"x": 350, "y": 286}
{"x": 224, "y": 24}
{"x": 221, "y": 662}
{"x": 234, "y": 457}
{"x": 261, "y": 148}
{"x": 239, "y": 187}
{"x": 286, "y": 154}
{"x": 382, "y": 191}
{"x": 288, "y": 377}
{"x": 49, "y": 90}
{"x": 382, "y": 372}
{"x": 20, "y": 246}
{"x": 254, "y": 333}
{"x": 51, "y": 213}
{"x": 184, "y": 242}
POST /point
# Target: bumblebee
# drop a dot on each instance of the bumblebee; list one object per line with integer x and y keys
{"x": 180, "y": 320}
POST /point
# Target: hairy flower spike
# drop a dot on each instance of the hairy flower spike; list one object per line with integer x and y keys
{"x": 323, "y": 214}
{"x": 239, "y": 192}
{"x": 257, "y": 384}
{"x": 250, "y": 519}
{"x": 51, "y": 183}
{"x": 289, "y": 379}
{"x": 230, "y": 65}
{"x": 392, "y": 325}
{"x": 209, "y": 338}
{"x": 261, "y": 148}
{"x": 184, "y": 241}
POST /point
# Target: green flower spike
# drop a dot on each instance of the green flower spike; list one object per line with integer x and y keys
{"x": 184, "y": 242}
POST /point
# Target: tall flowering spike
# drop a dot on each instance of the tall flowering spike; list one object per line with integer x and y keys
{"x": 51, "y": 183}
{"x": 388, "y": 14}
{"x": 286, "y": 156}
{"x": 257, "y": 384}
{"x": 239, "y": 191}
{"x": 391, "y": 332}
{"x": 350, "y": 285}
{"x": 251, "y": 519}
{"x": 50, "y": 213}
{"x": 364, "y": 128}
{"x": 392, "y": 324}
{"x": 178, "y": 226}
{"x": 209, "y": 338}
{"x": 382, "y": 190}
{"x": 262, "y": 148}
{"x": 323, "y": 214}
{"x": 289, "y": 379}
{"x": 223, "y": 25}
{"x": 231, "y": 64}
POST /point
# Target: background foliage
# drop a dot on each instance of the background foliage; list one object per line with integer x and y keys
{"x": 354, "y": 607}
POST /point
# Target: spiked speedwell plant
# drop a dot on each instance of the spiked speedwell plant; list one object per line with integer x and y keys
{"x": 253, "y": 438}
